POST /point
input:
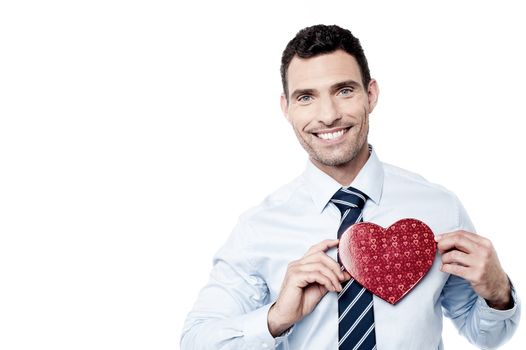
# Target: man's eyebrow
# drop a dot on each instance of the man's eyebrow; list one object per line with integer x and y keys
{"x": 334, "y": 87}
{"x": 345, "y": 83}
{"x": 299, "y": 92}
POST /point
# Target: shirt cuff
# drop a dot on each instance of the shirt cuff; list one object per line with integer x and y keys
{"x": 490, "y": 314}
{"x": 255, "y": 330}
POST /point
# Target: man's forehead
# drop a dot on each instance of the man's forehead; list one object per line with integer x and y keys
{"x": 324, "y": 69}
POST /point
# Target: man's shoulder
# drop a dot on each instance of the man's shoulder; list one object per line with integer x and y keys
{"x": 403, "y": 177}
{"x": 433, "y": 203}
{"x": 281, "y": 199}
{"x": 402, "y": 174}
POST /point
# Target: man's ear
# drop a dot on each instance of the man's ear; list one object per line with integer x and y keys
{"x": 372, "y": 92}
{"x": 285, "y": 106}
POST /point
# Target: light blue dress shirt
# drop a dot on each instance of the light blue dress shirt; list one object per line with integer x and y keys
{"x": 231, "y": 310}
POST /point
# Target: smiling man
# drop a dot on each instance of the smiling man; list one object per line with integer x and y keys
{"x": 328, "y": 109}
{"x": 277, "y": 282}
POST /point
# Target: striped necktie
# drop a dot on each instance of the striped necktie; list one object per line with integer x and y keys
{"x": 355, "y": 303}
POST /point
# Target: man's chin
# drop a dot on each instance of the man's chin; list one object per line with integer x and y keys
{"x": 332, "y": 161}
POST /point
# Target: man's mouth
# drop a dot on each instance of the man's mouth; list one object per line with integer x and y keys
{"x": 331, "y": 134}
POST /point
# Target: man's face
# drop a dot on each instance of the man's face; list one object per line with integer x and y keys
{"x": 329, "y": 107}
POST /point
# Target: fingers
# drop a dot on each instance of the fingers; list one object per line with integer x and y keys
{"x": 320, "y": 268}
{"x": 319, "y": 273}
{"x": 306, "y": 282}
{"x": 458, "y": 257}
{"x": 470, "y": 235}
{"x": 326, "y": 260}
{"x": 323, "y": 246}
{"x": 460, "y": 252}
{"x": 457, "y": 263}
{"x": 461, "y": 240}
{"x": 317, "y": 267}
{"x": 457, "y": 270}
{"x": 473, "y": 258}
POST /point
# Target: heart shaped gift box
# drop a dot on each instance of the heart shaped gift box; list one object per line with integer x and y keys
{"x": 388, "y": 262}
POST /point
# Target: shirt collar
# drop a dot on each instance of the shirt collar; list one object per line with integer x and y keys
{"x": 369, "y": 180}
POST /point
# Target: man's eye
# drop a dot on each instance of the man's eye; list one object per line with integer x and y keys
{"x": 304, "y": 98}
{"x": 345, "y": 91}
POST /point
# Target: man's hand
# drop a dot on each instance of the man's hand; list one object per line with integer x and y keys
{"x": 307, "y": 281}
{"x": 473, "y": 258}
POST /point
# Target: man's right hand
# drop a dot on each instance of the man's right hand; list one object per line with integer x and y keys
{"x": 307, "y": 281}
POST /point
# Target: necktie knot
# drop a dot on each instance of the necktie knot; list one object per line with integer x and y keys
{"x": 349, "y": 198}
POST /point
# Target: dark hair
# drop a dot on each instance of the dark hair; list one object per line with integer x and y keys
{"x": 320, "y": 39}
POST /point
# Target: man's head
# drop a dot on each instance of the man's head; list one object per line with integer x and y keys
{"x": 319, "y": 39}
{"x": 328, "y": 95}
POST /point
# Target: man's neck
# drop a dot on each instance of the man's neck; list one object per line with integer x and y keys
{"x": 344, "y": 174}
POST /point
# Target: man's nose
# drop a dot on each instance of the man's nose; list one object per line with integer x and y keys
{"x": 328, "y": 112}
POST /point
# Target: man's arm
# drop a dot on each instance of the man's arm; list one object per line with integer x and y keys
{"x": 230, "y": 313}
{"x": 231, "y": 310}
{"x": 478, "y": 295}
{"x": 306, "y": 282}
{"x": 480, "y": 324}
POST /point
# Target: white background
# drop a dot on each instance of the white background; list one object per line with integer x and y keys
{"x": 134, "y": 133}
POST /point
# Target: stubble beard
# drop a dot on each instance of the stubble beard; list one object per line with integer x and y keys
{"x": 341, "y": 156}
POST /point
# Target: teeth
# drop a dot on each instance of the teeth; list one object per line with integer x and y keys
{"x": 330, "y": 136}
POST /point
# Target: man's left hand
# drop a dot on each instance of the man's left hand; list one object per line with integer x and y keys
{"x": 473, "y": 258}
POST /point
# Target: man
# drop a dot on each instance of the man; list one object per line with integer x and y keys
{"x": 276, "y": 283}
